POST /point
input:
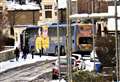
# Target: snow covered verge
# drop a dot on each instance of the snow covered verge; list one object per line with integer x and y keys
{"x": 4, "y": 66}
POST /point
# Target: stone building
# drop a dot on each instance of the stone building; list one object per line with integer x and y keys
{"x": 48, "y": 13}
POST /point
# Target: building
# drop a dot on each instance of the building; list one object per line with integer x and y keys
{"x": 23, "y": 13}
{"x": 1, "y": 7}
{"x": 48, "y": 13}
{"x": 85, "y": 6}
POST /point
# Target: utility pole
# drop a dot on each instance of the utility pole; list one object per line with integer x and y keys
{"x": 93, "y": 29}
{"x": 69, "y": 41}
{"x": 58, "y": 38}
{"x": 116, "y": 39}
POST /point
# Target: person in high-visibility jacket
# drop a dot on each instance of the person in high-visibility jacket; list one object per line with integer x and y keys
{"x": 45, "y": 38}
{"x": 45, "y": 41}
{"x": 38, "y": 44}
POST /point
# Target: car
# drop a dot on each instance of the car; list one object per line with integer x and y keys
{"x": 63, "y": 67}
{"x": 78, "y": 58}
{"x": 79, "y": 62}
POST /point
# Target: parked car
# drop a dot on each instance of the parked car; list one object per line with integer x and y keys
{"x": 79, "y": 62}
{"x": 78, "y": 58}
{"x": 63, "y": 67}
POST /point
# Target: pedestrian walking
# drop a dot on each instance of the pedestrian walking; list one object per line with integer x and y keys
{"x": 17, "y": 52}
{"x": 24, "y": 56}
{"x": 31, "y": 43}
{"x": 32, "y": 51}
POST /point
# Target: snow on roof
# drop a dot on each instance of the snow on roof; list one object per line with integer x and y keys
{"x": 92, "y": 15}
{"x": 84, "y": 15}
{"x": 28, "y": 6}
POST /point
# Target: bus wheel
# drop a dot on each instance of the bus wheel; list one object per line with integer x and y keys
{"x": 62, "y": 50}
{"x": 56, "y": 51}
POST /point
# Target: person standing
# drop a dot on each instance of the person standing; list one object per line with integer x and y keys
{"x": 17, "y": 52}
{"x": 24, "y": 56}
{"x": 38, "y": 43}
{"x": 45, "y": 39}
{"x": 32, "y": 51}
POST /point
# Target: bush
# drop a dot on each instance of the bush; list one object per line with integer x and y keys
{"x": 105, "y": 49}
{"x": 86, "y": 76}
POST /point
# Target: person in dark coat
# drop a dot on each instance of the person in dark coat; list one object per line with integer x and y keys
{"x": 32, "y": 51}
{"x": 24, "y": 56}
{"x": 17, "y": 52}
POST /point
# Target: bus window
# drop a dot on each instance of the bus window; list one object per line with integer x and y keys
{"x": 63, "y": 31}
{"x": 52, "y": 31}
{"x": 85, "y": 40}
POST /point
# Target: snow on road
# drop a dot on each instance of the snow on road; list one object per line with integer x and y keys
{"x": 13, "y": 63}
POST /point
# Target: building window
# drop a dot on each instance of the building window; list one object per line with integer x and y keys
{"x": 48, "y": 6}
{"x": 48, "y": 14}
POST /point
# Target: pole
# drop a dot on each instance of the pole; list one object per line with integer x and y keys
{"x": 76, "y": 6}
{"x": 69, "y": 40}
{"x": 116, "y": 39}
{"x": 93, "y": 29}
{"x": 58, "y": 39}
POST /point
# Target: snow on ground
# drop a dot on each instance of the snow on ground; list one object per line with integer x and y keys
{"x": 13, "y": 63}
{"x": 62, "y": 80}
{"x": 89, "y": 65}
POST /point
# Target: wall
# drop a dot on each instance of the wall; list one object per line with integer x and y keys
{"x": 7, "y": 54}
{"x": 23, "y": 17}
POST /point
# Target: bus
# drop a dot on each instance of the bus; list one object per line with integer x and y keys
{"x": 81, "y": 38}
{"x": 84, "y": 39}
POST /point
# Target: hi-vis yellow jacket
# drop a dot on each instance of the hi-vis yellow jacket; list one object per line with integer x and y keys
{"x": 45, "y": 41}
{"x": 38, "y": 42}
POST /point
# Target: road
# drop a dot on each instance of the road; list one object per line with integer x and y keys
{"x": 28, "y": 73}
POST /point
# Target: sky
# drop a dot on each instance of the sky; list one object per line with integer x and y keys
{"x": 62, "y": 4}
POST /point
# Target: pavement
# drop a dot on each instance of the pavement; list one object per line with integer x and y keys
{"x": 12, "y": 63}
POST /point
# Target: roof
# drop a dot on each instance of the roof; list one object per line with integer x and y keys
{"x": 16, "y": 6}
{"x": 92, "y": 15}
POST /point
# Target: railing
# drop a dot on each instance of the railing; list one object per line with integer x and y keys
{"x": 7, "y": 54}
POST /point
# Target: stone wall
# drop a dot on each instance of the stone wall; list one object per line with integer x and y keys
{"x": 7, "y": 54}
